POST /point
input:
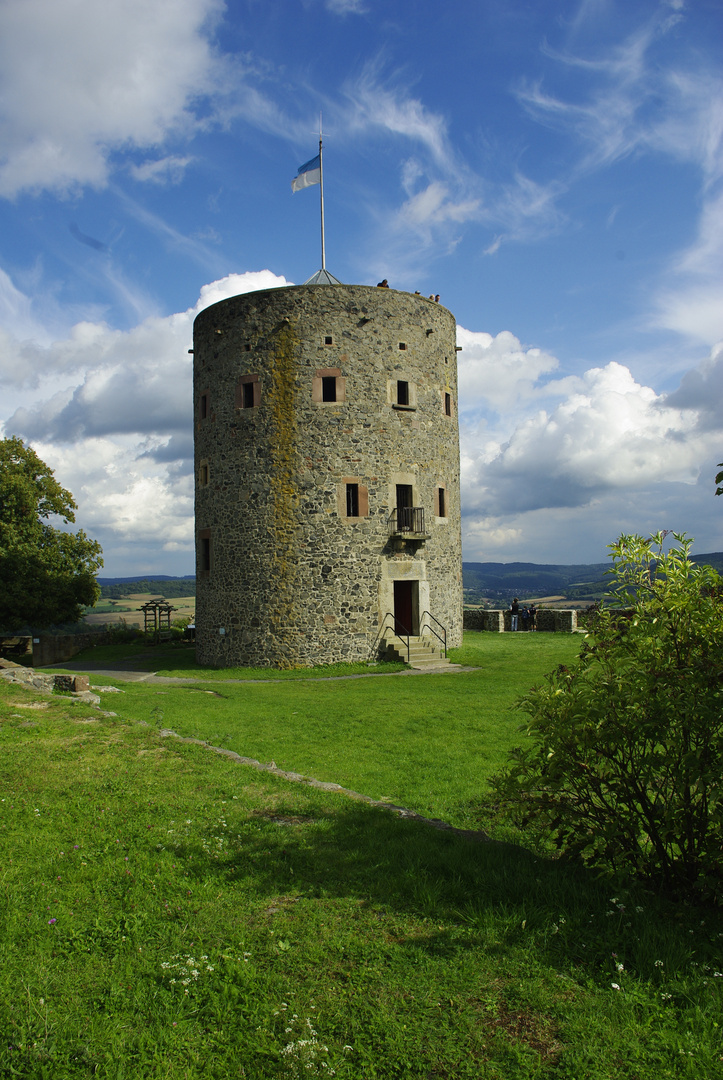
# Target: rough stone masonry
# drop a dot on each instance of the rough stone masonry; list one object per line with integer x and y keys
{"x": 327, "y": 474}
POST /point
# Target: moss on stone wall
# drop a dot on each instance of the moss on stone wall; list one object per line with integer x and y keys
{"x": 283, "y": 614}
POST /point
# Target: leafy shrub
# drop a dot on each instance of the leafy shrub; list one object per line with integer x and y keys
{"x": 121, "y": 633}
{"x": 624, "y": 760}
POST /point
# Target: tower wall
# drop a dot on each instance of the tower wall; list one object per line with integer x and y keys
{"x": 294, "y": 492}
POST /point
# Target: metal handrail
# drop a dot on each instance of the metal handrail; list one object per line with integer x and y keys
{"x": 383, "y": 629}
{"x": 443, "y": 628}
{"x": 406, "y": 519}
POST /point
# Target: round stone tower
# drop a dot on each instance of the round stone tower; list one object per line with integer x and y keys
{"x": 327, "y": 475}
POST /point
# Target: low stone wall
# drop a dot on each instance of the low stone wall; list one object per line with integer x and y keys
{"x": 549, "y": 619}
{"x": 477, "y": 619}
{"x": 47, "y": 649}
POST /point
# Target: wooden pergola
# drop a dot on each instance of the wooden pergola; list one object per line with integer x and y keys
{"x": 157, "y": 616}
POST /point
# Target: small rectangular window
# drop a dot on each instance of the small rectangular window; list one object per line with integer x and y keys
{"x": 248, "y": 392}
{"x": 328, "y": 340}
{"x": 203, "y": 474}
{"x": 448, "y": 404}
{"x": 441, "y": 502}
{"x": 352, "y": 500}
{"x": 328, "y": 385}
{"x": 204, "y": 552}
{"x": 403, "y": 345}
{"x": 203, "y": 406}
{"x": 402, "y": 392}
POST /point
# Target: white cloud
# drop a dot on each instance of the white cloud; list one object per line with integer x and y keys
{"x": 80, "y": 80}
{"x": 167, "y": 170}
{"x": 605, "y": 454}
{"x": 118, "y": 427}
{"x": 126, "y": 381}
{"x": 497, "y": 372}
{"x": 702, "y": 390}
{"x": 16, "y": 317}
{"x": 434, "y": 208}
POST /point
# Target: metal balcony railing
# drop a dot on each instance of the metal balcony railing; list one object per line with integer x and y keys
{"x": 407, "y": 521}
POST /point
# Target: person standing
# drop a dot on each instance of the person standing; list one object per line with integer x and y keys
{"x": 515, "y": 611}
{"x": 533, "y": 617}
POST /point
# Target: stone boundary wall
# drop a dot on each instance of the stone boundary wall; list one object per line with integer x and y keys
{"x": 477, "y": 619}
{"x": 47, "y": 649}
{"x": 549, "y": 619}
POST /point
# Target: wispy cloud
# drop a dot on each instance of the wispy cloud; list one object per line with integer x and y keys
{"x": 166, "y": 170}
{"x": 346, "y": 7}
{"x": 190, "y": 246}
{"x": 374, "y": 104}
{"x": 125, "y": 76}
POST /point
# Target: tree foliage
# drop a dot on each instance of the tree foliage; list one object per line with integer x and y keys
{"x": 719, "y": 479}
{"x": 47, "y": 574}
{"x": 624, "y": 758}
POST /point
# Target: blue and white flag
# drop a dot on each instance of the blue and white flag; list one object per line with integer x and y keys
{"x": 308, "y": 174}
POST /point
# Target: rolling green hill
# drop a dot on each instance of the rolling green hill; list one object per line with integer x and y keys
{"x": 579, "y": 581}
{"x": 491, "y": 580}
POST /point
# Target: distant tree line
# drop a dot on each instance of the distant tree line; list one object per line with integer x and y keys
{"x": 574, "y": 582}
{"x": 166, "y": 587}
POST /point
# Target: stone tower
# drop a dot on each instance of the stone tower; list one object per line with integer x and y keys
{"x": 327, "y": 474}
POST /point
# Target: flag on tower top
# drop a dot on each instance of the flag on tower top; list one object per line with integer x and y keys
{"x": 308, "y": 174}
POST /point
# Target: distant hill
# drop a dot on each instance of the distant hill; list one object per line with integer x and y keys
{"x": 491, "y": 580}
{"x": 505, "y": 580}
{"x": 159, "y": 585}
{"x": 714, "y": 559}
{"x": 579, "y": 581}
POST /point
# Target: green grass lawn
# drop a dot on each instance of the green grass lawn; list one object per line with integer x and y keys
{"x": 427, "y": 742}
{"x": 168, "y": 913}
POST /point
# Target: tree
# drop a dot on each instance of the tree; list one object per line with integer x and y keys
{"x": 719, "y": 480}
{"x": 623, "y": 764}
{"x": 46, "y": 574}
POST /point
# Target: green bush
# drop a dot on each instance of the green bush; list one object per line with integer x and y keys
{"x": 624, "y": 758}
{"x": 121, "y": 633}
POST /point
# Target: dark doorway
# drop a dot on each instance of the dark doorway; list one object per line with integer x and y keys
{"x": 405, "y": 499}
{"x": 406, "y": 607}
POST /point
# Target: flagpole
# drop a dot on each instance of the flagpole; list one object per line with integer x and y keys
{"x": 321, "y": 188}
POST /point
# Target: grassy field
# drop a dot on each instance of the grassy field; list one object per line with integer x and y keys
{"x": 168, "y": 913}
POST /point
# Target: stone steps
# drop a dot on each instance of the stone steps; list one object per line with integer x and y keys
{"x": 423, "y": 652}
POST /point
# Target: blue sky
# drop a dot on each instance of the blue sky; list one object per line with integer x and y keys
{"x": 554, "y": 170}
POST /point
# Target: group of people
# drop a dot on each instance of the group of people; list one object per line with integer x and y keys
{"x": 384, "y": 284}
{"x": 527, "y": 617}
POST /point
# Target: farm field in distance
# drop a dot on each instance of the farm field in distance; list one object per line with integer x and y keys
{"x": 129, "y": 609}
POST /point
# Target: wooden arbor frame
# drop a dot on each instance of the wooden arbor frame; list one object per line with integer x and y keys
{"x": 157, "y": 615}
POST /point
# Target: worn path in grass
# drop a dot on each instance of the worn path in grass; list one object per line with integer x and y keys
{"x": 325, "y": 785}
{"x": 129, "y": 675}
